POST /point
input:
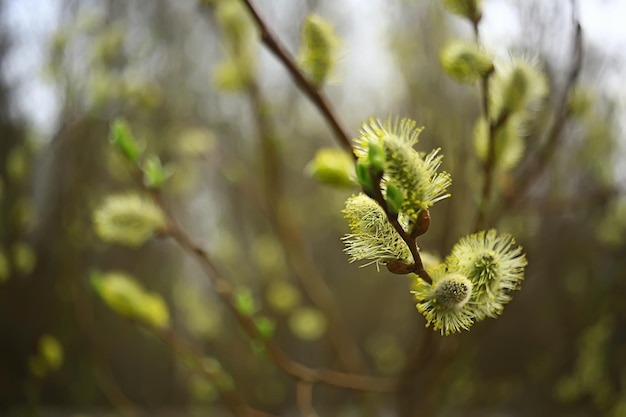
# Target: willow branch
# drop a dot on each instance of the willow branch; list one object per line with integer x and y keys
{"x": 317, "y": 97}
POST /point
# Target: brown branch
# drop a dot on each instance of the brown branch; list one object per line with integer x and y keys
{"x": 317, "y": 97}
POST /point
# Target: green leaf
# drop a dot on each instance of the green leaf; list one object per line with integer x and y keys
{"x": 122, "y": 138}
{"x": 244, "y": 302}
{"x": 376, "y": 156}
{"x": 265, "y": 326}
{"x": 364, "y": 176}
{"x": 394, "y": 198}
{"x": 154, "y": 173}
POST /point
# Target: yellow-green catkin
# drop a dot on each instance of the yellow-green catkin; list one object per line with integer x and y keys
{"x": 517, "y": 86}
{"x": 128, "y": 219}
{"x": 465, "y": 62}
{"x": 128, "y": 298}
{"x": 318, "y": 52}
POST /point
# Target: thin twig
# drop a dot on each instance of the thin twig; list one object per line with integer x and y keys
{"x": 316, "y": 96}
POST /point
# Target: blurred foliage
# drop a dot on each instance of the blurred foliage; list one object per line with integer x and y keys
{"x": 556, "y": 351}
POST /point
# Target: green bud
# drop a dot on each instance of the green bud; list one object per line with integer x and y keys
{"x": 394, "y": 198}
{"x": 265, "y": 326}
{"x": 122, "y": 138}
{"x": 376, "y": 157}
{"x": 465, "y": 62}
{"x": 364, "y": 176}
{"x": 244, "y": 302}
{"x": 334, "y": 167}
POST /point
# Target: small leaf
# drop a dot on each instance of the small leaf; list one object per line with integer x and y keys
{"x": 122, "y": 138}
{"x": 376, "y": 156}
{"x": 265, "y": 326}
{"x": 394, "y": 198}
{"x": 155, "y": 174}
{"x": 244, "y": 302}
{"x": 364, "y": 176}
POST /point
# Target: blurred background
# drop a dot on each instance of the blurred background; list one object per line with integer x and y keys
{"x": 69, "y": 67}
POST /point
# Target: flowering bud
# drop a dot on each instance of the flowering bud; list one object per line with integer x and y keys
{"x": 128, "y": 219}
{"x": 334, "y": 167}
{"x": 371, "y": 236}
{"x": 453, "y": 291}
{"x": 516, "y": 87}
{"x": 126, "y": 297}
{"x": 465, "y": 62}
{"x": 318, "y": 53}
